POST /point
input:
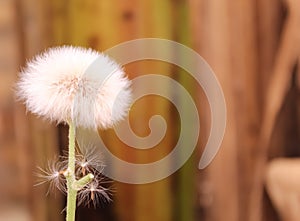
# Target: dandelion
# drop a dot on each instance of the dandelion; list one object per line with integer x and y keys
{"x": 82, "y": 88}
{"x": 75, "y": 84}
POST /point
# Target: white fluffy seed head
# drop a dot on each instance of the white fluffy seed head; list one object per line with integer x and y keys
{"x": 75, "y": 84}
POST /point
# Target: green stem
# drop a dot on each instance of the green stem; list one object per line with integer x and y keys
{"x": 70, "y": 176}
{"x": 79, "y": 184}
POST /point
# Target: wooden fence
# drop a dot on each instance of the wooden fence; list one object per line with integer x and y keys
{"x": 240, "y": 40}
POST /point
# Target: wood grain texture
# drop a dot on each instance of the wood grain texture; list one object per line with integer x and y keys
{"x": 285, "y": 61}
{"x": 35, "y": 24}
{"x": 253, "y": 48}
{"x": 213, "y": 41}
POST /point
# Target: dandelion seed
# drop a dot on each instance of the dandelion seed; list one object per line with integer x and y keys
{"x": 59, "y": 85}
{"x": 94, "y": 193}
{"x": 53, "y": 174}
{"x": 89, "y": 161}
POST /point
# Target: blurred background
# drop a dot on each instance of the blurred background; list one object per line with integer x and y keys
{"x": 253, "y": 47}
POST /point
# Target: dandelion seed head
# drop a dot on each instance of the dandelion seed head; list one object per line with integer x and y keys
{"x": 75, "y": 84}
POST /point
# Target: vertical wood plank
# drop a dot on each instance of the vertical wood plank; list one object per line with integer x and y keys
{"x": 13, "y": 168}
{"x": 37, "y": 36}
{"x": 184, "y": 208}
{"x": 246, "y": 79}
{"x": 155, "y": 21}
{"x": 211, "y": 21}
{"x": 280, "y": 84}
{"x": 269, "y": 25}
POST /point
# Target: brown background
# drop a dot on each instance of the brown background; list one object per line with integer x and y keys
{"x": 245, "y": 42}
